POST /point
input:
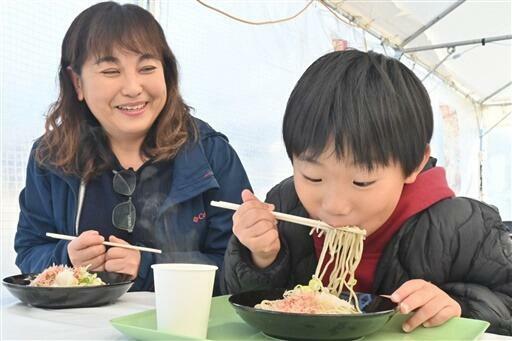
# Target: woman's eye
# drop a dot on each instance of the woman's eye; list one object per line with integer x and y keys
{"x": 110, "y": 72}
{"x": 312, "y": 179}
{"x": 363, "y": 183}
{"x": 148, "y": 69}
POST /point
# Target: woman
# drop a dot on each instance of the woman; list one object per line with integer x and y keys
{"x": 123, "y": 159}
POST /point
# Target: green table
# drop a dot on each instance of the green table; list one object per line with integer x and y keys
{"x": 225, "y": 324}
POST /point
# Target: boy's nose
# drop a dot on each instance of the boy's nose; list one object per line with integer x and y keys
{"x": 336, "y": 207}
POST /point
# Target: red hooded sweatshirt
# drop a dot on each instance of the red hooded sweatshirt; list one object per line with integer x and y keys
{"x": 430, "y": 187}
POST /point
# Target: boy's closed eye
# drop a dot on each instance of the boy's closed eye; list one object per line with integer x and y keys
{"x": 363, "y": 183}
{"x": 311, "y": 179}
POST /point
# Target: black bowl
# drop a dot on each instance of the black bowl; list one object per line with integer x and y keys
{"x": 377, "y": 311}
{"x": 69, "y": 297}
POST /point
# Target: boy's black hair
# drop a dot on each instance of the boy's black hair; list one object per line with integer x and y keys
{"x": 372, "y": 107}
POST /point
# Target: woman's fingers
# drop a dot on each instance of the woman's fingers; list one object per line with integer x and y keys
{"x": 91, "y": 252}
{"x": 86, "y": 239}
{"x": 96, "y": 263}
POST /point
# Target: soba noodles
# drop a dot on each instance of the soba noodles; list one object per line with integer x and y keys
{"x": 344, "y": 246}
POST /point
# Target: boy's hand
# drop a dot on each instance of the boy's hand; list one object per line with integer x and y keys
{"x": 433, "y": 306}
{"x": 122, "y": 260}
{"x": 256, "y": 228}
{"x": 88, "y": 250}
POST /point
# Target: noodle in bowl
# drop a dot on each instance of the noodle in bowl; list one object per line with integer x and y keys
{"x": 375, "y": 312}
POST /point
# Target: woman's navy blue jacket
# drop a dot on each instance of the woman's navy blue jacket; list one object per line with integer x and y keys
{"x": 187, "y": 228}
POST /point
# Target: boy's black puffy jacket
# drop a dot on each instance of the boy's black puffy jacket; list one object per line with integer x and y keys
{"x": 458, "y": 244}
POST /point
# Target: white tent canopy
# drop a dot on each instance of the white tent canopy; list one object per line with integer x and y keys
{"x": 476, "y": 70}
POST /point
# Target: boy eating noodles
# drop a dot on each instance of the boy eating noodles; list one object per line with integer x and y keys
{"x": 357, "y": 129}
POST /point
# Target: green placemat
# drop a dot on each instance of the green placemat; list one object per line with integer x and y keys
{"x": 225, "y": 324}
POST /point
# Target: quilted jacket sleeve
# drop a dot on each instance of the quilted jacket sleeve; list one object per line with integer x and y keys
{"x": 461, "y": 246}
{"x": 484, "y": 290}
{"x": 240, "y": 272}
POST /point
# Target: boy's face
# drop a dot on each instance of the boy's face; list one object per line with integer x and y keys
{"x": 340, "y": 193}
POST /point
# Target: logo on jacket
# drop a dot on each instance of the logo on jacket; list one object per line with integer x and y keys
{"x": 199, "y": 217}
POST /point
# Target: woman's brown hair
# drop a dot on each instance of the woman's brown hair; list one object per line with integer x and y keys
{"x": 74, "y": 141}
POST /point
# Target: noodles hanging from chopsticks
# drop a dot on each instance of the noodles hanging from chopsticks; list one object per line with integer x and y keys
{"x": 345, "y": 250}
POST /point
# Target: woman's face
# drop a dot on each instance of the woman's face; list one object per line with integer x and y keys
{"x": 125, "y": 92}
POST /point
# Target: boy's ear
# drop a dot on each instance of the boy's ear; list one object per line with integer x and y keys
{"x": 77, "y": 83}
{"x": 411, "y": 178}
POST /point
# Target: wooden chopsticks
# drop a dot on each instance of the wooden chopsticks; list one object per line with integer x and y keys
{"x": 293, "y": 219}
{"x": 126, "y": 246}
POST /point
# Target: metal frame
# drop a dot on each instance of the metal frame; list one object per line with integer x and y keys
{"x": 496, "y": 92}
{"x": 495, "y": 124}
{"x": 431, "y": 23}
{"x": 482, "y": 41}
{"x": 450, "y": 51}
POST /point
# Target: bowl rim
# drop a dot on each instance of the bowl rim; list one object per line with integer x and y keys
{"x": 311, "y": 316}
{"x": 85, "y": 287}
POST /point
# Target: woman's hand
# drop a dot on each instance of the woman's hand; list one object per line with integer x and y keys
{"x": 122, "y": 260}
{"x": 256, "y": 228}
{"x": 433, "y": 306}
{"x": 88, "y": 250}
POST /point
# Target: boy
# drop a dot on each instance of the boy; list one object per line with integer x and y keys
{"x": 357, "y": 129}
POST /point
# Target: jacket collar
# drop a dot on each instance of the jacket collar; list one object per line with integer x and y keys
{"x": 192, "y": 175}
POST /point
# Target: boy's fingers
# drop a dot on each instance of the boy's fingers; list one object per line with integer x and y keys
{"x": 264, "y": 243}
{"x": 418, "y": 298}
{"x": 247, "y": 207}
{"x": 425, "y": 313}
{"x": 442, "y": 316}
{"x": 260, "y": 229}
{"x": 252, "y": 217}
{"x": 406, "y": 289}
{"x": 249, "y": 197}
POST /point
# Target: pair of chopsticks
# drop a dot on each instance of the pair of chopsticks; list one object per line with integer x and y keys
{"x": 126, "y": 246}
{"x": 292, "y": 218}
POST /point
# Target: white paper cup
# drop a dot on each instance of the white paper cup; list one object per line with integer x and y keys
{"x": 183, "y": 293}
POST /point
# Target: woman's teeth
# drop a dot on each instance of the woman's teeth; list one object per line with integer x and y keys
{"x": 133, "y": 108}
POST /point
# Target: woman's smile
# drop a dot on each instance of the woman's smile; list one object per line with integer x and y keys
{"x": 132, "y": 109}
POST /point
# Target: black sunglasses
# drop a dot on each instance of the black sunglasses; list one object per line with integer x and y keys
{"x": 123, "y": 214}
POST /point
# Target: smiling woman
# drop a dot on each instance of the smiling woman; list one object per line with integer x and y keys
{"x": 123, "y": 159}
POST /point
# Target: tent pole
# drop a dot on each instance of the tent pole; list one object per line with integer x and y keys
{"x": 451, "y": 50}
{"x": 431, "y": 23}
{"x": 496, "y": 124}
{"x": 496, "y": 92}
{"x": 482, "y": 41}
{"x": 506, "y": 104}
{"x": 480, "y": 152}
